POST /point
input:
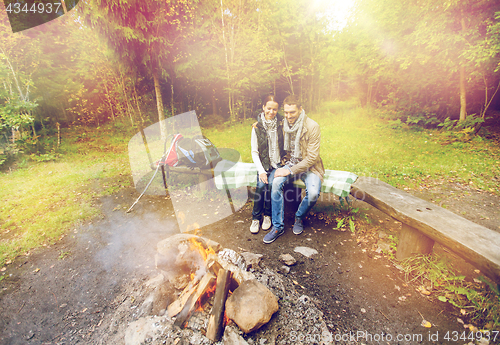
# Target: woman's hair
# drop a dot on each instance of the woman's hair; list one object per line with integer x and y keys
{"x": 270, "y": 98}
{"x": 293, "y": 100}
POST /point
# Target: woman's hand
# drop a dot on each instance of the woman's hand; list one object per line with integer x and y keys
{"x": 263, "y": 177}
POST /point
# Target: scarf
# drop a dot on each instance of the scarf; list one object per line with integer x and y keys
{"x": 271, "y": 127}
{"x": 294, "y": 133}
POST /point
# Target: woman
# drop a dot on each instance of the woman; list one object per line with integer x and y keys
{"x": 267, "y": 151}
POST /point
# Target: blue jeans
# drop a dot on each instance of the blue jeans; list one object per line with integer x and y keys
{"x": 313, "y": 189}
{"x": 261, "y": 199}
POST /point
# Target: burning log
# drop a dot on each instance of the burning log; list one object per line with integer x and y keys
{"x": 205, "y": 283}
{"x": 176, "y": 306}
{"x": 216, "y": 318}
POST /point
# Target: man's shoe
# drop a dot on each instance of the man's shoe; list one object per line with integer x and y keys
{"x": 266, "y": 224}
{"x": 298, "y": 227}
{"x": 273, "y": 234}
{"x": 254, "y": 228}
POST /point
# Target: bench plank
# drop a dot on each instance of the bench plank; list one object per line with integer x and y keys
{"x": 473, "y": 242}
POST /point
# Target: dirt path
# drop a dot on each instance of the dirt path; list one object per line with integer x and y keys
{"x": 61, "y": 294}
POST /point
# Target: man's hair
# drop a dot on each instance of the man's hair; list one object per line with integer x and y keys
{"x": 271, "y": 98}
{"x": 293, "y": 100}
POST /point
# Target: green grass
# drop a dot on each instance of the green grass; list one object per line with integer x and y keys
{"x": 356, "y": 139}
{"x": 479, "y": 299}
{"x": 42, "y": 201}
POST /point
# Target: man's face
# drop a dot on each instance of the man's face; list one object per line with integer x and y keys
{"x": 291, "y": 113}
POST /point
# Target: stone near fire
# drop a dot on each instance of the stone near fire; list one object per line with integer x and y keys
{"x": 252, "y": 260}
{"x": 306, "y": 251}
{"x": 231, "y": 337}
{"x": 287, "y": 259}
{"x": 251, "y": 305}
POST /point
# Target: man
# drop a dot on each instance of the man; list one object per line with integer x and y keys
{"x": 301, "y": 141}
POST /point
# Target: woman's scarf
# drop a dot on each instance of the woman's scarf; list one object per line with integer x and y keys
{"x": 271, "y": 127}
{"x": 294, "y": 132}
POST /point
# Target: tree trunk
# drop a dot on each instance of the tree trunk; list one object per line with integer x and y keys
{"x": 126, "y": 99}
{"x": 159, "y": 105}
{"x": 463, "y": 99}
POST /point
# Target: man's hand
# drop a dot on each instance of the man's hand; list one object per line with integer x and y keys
{"x": 263, "y": 177}
{"x": 282, "y": 172}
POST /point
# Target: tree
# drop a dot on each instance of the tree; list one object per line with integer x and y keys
{"x": 18, "y": 60}
{"x": 144, "y": 34}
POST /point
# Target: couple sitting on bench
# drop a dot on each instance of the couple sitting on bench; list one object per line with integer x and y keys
{"x": 284, "y": 150}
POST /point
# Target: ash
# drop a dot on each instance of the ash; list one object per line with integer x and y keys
{"x": 135, "y": 320}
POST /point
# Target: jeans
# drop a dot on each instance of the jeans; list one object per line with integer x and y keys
{"x": 313, "y": 189}
{"x": 261, "y": 199}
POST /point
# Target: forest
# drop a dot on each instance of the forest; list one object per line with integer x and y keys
{"x": 417, "y": 62}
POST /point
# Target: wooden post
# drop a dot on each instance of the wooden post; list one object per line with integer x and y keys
{"x": 216, "y": 318}
{"x": 412, "y": 241}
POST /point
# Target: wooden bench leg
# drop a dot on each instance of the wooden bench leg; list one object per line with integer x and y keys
{"x": 206, "y": 183}
{"x": 412, "y": 241}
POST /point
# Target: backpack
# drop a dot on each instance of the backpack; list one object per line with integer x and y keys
{"x": 196, "y": 152}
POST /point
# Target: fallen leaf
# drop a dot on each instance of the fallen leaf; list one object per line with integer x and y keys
{"x": 423, "y": 291}
{"x": 426, "y": 324}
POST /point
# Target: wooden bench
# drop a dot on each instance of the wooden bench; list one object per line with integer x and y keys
{"x": 424, "y": 223}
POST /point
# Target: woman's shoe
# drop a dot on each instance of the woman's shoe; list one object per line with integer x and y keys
{"x": 266, "y": 224}
{"x": 254, "y": 228}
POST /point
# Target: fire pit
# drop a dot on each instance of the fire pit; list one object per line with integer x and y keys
{"x": 206, "y": 294}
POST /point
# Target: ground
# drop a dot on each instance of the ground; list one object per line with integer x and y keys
{"x": 61, "y": 294}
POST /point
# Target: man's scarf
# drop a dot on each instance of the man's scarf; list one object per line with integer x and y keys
{"x": 294, "y": 131}
{"x": 272, "y": 138}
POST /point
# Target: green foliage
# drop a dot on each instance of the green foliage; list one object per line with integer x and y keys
{"x": 479, "y": 299}
{"x": 346, "y": 215}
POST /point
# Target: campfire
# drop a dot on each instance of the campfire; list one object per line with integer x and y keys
{"x": 207, "y": 277}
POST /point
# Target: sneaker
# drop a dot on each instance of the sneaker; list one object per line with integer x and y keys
{"x": 266, "y": 224}
{"x": 273, "y": 234}
{"x": 298, "y": 227}
{"x": 254, "y": 228}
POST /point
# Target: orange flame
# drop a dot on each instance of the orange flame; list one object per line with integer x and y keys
{"x": 195, "y": 245}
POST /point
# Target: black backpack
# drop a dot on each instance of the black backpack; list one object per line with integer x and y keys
{"x": 195, "y": 152}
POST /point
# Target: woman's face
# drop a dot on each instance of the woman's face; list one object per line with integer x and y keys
{"x": 270, "y": 110}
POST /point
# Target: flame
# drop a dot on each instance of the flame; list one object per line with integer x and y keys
{"x": 226, "y": 319}
{"x": 195, "y": 245}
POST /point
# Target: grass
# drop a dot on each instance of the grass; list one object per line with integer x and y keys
{"x": 41, "y": 201}
{"x": 478, "y": 300}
